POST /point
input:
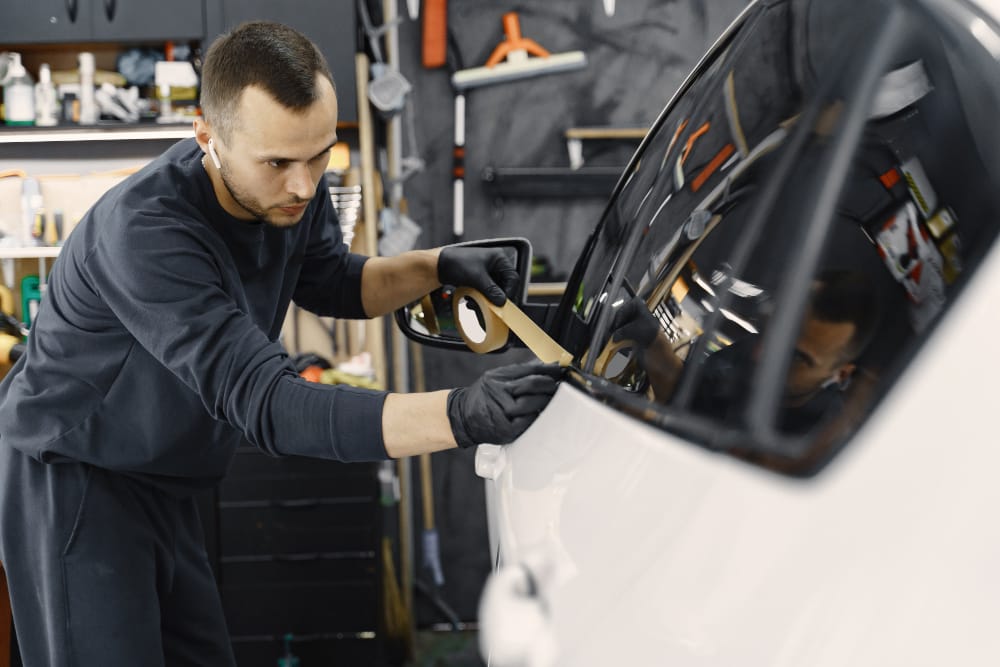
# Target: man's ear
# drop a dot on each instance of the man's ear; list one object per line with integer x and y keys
{"x": 842, "y": 376}
{"x": 202, "y": 133}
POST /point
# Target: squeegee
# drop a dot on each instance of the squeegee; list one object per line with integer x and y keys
{"x": 517, "y": 57}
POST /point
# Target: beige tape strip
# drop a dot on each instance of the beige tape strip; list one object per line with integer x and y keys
{"x": 612, "y": 348}
{"x": 658, "y": 294}
{"x": 500, "y": 320}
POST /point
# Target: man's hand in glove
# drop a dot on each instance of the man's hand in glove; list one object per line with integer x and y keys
{"x": 634, "y": 322}
{"x": 502, "y": 404}
{"x": 488, "y": 270}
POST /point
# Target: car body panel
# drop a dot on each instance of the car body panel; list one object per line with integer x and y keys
{"x": 647, "y": 550}
{"x": 617, "y": 542}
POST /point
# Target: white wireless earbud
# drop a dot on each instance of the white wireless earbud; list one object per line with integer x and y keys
{"x": 215, "y": 156}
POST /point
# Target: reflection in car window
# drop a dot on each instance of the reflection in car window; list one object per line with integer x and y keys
{"x": 793, "y": 227}
{"x": 645, "y": 191}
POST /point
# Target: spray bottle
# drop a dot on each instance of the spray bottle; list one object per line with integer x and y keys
{"x": 18, "y": 94}
{"x": 46, "y": 101}
{"x": 88, "y": 105}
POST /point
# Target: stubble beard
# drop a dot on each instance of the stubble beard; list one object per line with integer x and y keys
{"x": 249, "y": 204}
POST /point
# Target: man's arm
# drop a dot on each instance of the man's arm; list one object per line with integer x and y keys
{"x": 388, "y": 283}
{"x": 414, "y": 424}
{"x": 496, "y": 408}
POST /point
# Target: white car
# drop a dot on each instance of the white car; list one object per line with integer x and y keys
{"x": 776, "y": 443}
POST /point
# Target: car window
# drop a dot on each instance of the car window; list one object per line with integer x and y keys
{"x": 792, "y": 229}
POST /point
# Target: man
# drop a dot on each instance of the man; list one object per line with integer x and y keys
{"x": 841, "y": 318}
{"x": 154, "y": 355}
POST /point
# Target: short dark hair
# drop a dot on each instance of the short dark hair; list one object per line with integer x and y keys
{"x": 847, "y": 296}
{"x": 281, "y": 60}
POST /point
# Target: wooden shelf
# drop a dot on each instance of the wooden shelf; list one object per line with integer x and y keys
{"x": 29, "y": 252}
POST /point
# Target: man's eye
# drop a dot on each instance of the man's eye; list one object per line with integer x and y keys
{"x": 277, "y": 164}
{"x": 801, "y": 359}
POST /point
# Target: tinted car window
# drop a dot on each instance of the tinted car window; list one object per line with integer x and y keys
{"x": 794, "y": 226}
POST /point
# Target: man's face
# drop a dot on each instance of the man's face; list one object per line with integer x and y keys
{"x": 819, "y": 357}
{"x": 275, "y": 157}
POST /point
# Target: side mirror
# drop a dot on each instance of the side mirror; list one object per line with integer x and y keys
{"x": 431, "y": 320}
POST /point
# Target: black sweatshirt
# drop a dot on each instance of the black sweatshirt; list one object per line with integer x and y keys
{"x": 154, "y": 351}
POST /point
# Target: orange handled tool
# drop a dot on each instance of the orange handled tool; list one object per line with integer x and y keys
{"x": 514, "y": 41}
{"x": 435, "y": 33}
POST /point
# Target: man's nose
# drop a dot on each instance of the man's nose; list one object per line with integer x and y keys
{"x": 299, "y": 182}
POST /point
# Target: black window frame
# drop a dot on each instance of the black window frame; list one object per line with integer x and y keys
{"x": 760, "y": 441}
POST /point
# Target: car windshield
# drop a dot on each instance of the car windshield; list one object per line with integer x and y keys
{"x": 794, "y": 226}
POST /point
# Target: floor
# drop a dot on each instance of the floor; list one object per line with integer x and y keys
{"x": 433, "y": 649}
{"x": 447, "y": 649}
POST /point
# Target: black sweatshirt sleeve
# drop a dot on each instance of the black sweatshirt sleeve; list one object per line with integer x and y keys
{"x": 172, "y": 293}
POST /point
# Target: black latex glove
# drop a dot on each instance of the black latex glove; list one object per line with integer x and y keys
{"x": 500, "y": 405}
{"x": 488, "y": 270}
{"x": 634, "y": 322}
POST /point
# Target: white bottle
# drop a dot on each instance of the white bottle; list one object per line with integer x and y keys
{"x": 46, "y": 101}
{"x": 18, "y": 94}
{"x": 31, "y": 204}
{"x": 88, "y": 105}
{"x": 166, "y": 107}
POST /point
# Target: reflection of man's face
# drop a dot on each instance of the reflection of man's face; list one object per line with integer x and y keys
{"x": 275, "y": 157}
{"x": 819, "y": 356}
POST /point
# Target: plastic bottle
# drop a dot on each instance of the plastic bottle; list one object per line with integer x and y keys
{"x": 31, "y": 203}
{"x": 166, "y": 108}
{"x": 88, "y": 105}
{"x": 46, "y": 101}
{"x": 18, "y": 94}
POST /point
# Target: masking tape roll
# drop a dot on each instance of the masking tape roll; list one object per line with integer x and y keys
{"x": 500, "y": 320}
{"x": 496, "y": 329}
{"x": 610, "y": 350}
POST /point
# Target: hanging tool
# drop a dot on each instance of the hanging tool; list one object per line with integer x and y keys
{"x": 388, "y": 88}
{"x": 458, "y": 170}
{"x": 512, "y": 59}
{"x": 413, "y": 9}
{"x": 516, "y": 57}
{"x": 430, "y": 543}
{"x": 435, "y": 33}
{"x": 575, "y": 136}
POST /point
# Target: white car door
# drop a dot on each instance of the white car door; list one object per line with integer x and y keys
{"x": 722, "y": 480}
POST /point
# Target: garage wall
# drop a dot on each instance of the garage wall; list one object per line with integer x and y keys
{"x": 636, "y": 59}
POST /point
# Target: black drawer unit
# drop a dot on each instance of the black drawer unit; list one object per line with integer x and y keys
{"x": 295, "y": 548}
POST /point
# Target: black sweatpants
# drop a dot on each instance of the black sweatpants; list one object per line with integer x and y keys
{"x": 105, "y": 570}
